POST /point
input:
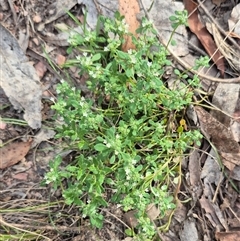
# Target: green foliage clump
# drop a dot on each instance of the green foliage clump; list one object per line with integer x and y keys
{"x": 130, "y": 133}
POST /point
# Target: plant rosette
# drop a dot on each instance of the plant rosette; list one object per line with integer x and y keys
{"x": 131, "y": 131}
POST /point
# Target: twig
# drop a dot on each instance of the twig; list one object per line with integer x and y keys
{"x": 10, "y": 2}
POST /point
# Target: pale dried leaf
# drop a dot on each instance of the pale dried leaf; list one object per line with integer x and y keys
{"x": 211, "y": 171}
{"x": 55, "y": 11}
{"x": 3, "y": 125}
{"x": 189, "y": 231}
{"x": 60, "y": 59}
{"x": 234, "y": 20}
{"x": 130, "y": 218}
{"x": 23, "y": 40}
{"x": 92, "y": 13}
{"x": 19, "y": 79}
{"x": 41, "y": 69}
{"x": 43, "y": 135}
{"x": 194, "y": 173}
{"x": 13, "y": 152}
{"x": 225, "y": 98}
{"x": 152, "y": 211}
{"x": 231, "y": 157}
{"x": 207, "y": 205}
{"x": 220, "y": 135}
{"x": 228, "y": 236}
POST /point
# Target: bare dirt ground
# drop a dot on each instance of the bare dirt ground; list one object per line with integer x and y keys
{"x": 210, "y": 204}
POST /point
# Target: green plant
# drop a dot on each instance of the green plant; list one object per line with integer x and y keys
{"x": 130, "y": 133}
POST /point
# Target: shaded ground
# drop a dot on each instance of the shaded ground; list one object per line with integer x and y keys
{"x": 210, "y": 202}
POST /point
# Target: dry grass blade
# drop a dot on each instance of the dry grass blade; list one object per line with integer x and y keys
{"x": 231, "y": 55}
{"x": 16, "y": 220}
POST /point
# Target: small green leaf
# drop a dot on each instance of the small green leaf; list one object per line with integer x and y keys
{"x": 129, "y": 232}
{"x": 96, "y": 57}
{"x": 112, "y": 159}
{"x": 100, "y": 147}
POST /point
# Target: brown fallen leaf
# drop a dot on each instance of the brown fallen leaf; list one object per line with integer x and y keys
{"x": 221, "y": 136}
{"x": 129, "y": 9}
{"x": 60, "y": 59}
{"x": 203, "y": 35}
{"x": 228, "y": 236}
{"x": 3, "y": 125}
{"x": 40, "y": 68}
{"x": 208, "y": 206}
{"x": 13, "y": 152}
{"x": 230, "y": 160}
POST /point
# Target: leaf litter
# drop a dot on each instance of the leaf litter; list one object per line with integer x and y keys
{"x": 207, "y": 187}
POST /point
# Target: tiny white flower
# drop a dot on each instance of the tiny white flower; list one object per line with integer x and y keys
{"x": 134, "y": 161}
{"x": 149, "y": 64}
{"x": 116, "y": 153}
{"x": 108, "y": 145}
{"x": 81, "y": 103}
{"x": 47, "y": 182}
{"x": 85, "y": 114}
{"x": 127, "y": 171}
{"x": 52, "y": 99}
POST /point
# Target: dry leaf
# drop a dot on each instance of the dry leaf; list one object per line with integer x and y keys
{"x": 152, "y": 211}
{"x": 60, "y": 59}
{"x": 13, "y": 152}
{"x": 41, "y": 69}
{"x": 130, "y": 218}
{"x": 228, "y": 236}
{"x": 221, "y": 136}
{"x": 19, "y": 80}
{"x": 203, "y": 35}
{"x": 230, "y": 160}
{"x": 194, "y": 171}
{"x": 233, "y": 21}
{"x": 56, "y": 10}
{"x": 3, "y": 125}
{"x": 129, "y": 9}
{"x": 207, "y": 205}
{"x": 189, "y": 231}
